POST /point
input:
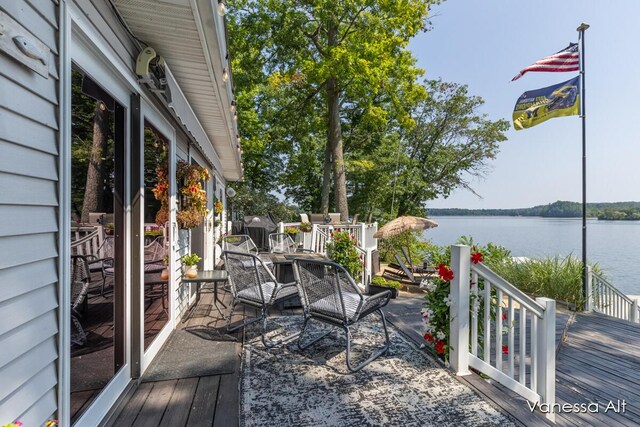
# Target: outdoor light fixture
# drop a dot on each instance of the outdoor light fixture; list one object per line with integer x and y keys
{"x": 235, "y": 115}
{"x": 225, "y": 74}
{"x": 233, "y": 106}
{"x": 222, "y": 8}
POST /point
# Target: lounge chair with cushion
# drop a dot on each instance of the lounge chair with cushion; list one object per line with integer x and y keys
{"x": 330, "y": 295}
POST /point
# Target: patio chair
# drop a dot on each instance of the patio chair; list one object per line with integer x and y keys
{"x": 239, "y": 243}
{"x": 304, "y": 217}
{"x": 79, "y": 289}
{"x": 281, "y": 243}
{"x": 254, "y": 285}
{"x": 102, "y": 261}
{"x": 414, "y": 269}
{"x": 330, "y": 295}
{"x": 335, "y": 218}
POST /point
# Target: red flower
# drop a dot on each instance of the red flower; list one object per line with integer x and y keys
{"x": 505, "y": 349}
{"x": 444, "y": 272}
{"x": 504, "y": 316}
{"x": 440, "y": 347}
{"x": 476, "y": 257}
{"x": 471, "y": 283}
{"x": 428, "y": 337}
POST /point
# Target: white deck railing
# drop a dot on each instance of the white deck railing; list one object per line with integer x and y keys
{"x": 320, "y": 234}
{"x": 528, "y": 370}
{"x": 607, "y": 299}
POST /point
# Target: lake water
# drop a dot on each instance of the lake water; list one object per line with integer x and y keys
{"x": 614, "y": 245}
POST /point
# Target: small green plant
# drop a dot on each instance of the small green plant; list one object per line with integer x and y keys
{"x": 190, "y": 259}
{"x": 306, "y": 227}
{"x": 342, "y": 250}
{"x": 217, "y": 223}
{"x": 292, "y": 231}
{"x": 385, "y": 283}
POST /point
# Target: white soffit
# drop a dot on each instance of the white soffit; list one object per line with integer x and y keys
{"x": 189, "y": 35}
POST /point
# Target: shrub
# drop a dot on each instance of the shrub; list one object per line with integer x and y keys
{"x": 342, "y": 250}
{"x": 390, "y": 246}
{"x": 386, "y": 283}
{"x": 552, "y": 277}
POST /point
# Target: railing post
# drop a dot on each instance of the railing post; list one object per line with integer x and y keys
{"x": 588, "y": 303}
{"x": 633, "y": 311}
{"x": 547, "y": 354}
{"x": 459, "y": 309}
{"x": 314, "y": 236}
{"x": 362, "y": 236}
{"x": 281, "y": 227}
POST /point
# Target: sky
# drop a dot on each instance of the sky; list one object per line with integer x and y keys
{"x": 485, "y": 43}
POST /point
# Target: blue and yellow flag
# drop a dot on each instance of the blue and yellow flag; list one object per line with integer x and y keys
{"x": 536, "y": 106}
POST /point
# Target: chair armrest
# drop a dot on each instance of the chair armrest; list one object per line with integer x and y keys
{"x": 374, "y": 302}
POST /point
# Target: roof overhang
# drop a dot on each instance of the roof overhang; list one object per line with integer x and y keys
{"x": 190, "y": 36}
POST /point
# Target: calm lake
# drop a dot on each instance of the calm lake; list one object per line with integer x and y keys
{"x": 614, "y": 245}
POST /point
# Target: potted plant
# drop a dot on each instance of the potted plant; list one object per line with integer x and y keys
{"x": 109, "y": 229}
{"x": 165, "y": 272}
{"x": 380, "y": 284}
{"x": 306, "y": 227}
{"x": 217, "y": 223}
{"x": 189, "y": 262}
{"x": 291, "y": 231}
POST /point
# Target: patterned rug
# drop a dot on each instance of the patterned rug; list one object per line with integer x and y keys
{"x": 404, "y": 387}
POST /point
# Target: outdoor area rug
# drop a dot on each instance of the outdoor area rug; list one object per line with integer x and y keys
{"x": 189, "y": 354}
{"x": 404, "y": 387}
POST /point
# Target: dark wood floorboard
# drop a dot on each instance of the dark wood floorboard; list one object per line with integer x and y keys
{"x": 203, "y": 408}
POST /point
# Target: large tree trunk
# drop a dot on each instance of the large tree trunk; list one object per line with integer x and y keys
{"x": 326, "y": 180}
{"x": 94, "y": 186}
{"x": 335, "y": 134}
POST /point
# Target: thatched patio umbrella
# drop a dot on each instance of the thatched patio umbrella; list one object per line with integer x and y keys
{"x": 403, "y": 224}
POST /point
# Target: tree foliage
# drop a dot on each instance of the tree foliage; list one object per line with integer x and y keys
{"x": 402, "y": 141}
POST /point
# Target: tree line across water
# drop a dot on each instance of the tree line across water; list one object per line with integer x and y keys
{"x": 559, "y": 209}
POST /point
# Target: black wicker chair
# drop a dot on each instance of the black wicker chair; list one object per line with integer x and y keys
{"x": 330, "y": 295}
{"x": 253, "y": 284}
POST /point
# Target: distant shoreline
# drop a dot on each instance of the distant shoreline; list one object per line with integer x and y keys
{"x": 615, "y": 211}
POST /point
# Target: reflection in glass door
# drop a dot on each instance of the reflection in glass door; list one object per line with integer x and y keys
{"x": 156, "y": 233}
{"x": 97, "y": 241}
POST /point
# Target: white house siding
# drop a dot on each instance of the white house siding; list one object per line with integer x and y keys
{"x": 29, "y": 224}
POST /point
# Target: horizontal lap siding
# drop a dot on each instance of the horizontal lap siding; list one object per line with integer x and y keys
{"x": 28, "y": 230}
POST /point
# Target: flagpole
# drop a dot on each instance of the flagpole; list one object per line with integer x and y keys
{"x": 585, "y": 272}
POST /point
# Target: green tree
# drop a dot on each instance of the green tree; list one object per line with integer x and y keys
{"x": 450, "y": 144}
{"x": 322, "y": 59}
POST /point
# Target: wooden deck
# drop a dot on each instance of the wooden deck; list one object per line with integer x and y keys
{"x": 598, "y": 360}
{"x": 201, "y": 401}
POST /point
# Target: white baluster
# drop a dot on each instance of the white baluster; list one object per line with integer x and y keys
{"x": 534, "y": 354}
{"x": 474, "y": 314}
{"x": 499, "y": 331}
{"x": 522, "y": 365}
{"x": 486, "y": 352}
{"x": 511, "y": 344}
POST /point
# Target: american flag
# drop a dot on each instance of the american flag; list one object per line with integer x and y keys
{"x": 568, "y": 59}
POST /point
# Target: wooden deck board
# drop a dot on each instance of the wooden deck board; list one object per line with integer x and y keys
{"x": 179, "y": 405}
{"x": 203, "y": 408}
{"x": 156, "y": 403}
